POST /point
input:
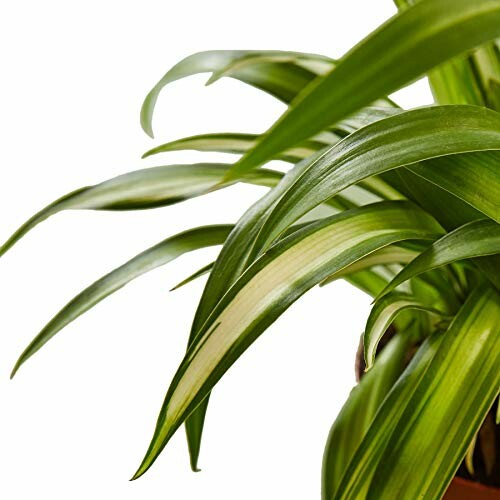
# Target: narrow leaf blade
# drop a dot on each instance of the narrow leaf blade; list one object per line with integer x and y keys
{"x": 156, "y": 256}
{"x": 142, "y": 189}
{"x": 424, "y": 426}
{"x": 383, "y": 314}
{"x": 478, "y": 238}
{"x": 411, "y": 43}
{"x": 269, "y": 287}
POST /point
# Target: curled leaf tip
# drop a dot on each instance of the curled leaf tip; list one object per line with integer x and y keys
{"x": 146, "y": 121}
{"x": 138, "y": 473}
{"x": 14, "y": 371}
{"x": 213, "y": 78}
{"x": 148, "y": 129}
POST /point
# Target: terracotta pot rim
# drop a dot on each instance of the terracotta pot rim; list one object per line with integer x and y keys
{"x": 474, "y": 484}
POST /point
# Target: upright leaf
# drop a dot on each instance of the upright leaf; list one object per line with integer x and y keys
{"x": 448, "y": 407}
{"x": 423, "y": 428}
{"x": 358, "y": 412}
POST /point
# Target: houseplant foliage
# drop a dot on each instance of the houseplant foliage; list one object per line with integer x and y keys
{"x": 401, "y": 203}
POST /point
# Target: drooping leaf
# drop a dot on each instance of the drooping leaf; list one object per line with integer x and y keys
{"x": 156, "y": 256}
{"x": 269, "y": 287}
{"x": 450, "y": 211}
{"x": 235, "y": 256}
{"x": 282, "y": 80}
{"x": 241, "y": 143}
{"x": 141, "y": 189}
{"x": 383, "y": 314}
{"x": 475, "y": 239}
{"x": 319, "y": 65}
{"x": 430, "y": 132}
{"x": 358, "y": 412}
{"x": 422, "y": 430}
{"x": 387, "y": 144}
{"x": 410, "y": 43}
{"x": 238, "y": 143}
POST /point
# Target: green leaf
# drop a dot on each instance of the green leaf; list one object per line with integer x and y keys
{"x": 201, "y": 272}
{"x": 387, "y": 144}
{"x": 268, "y": 288}
{"x": 450, "y": 211}
{"x": 358, "y": 412}
{"x": 359, "y": 473}
{"x": 156, "y": 256}
{"x": 474, "y": 239}
{"x": 314, "y": 63}
{"x": 141, "y": 189}
{"x": 423, "y": 428}
{"x": 282, "y": 80}
{"x": 409, "y": 44}
{"x": 383, "y": 314}
{"x": 469, "y": 457}
{"x": 239, "y": 143}
{"x": 454, "y": 173}
{"x": 369, "y": 281}
{"x": 486, "y": 61}
{"x": 392, "y": 254}
{"x": 238, "y": 252}
{"x": 233, "y": 259}
{"x": 455, "y": 83}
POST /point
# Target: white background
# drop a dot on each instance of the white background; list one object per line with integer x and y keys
{"x": 76, "y": 421}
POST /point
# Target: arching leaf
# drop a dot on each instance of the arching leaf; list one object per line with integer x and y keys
{"x": 383, "y": 314}
{"x": 282, "y": 80}
{"x": 141, "y": 189}
{"x": 269, "y": 287}
{"x": 153, "y": 257}
{"x": 410, "y": 43}
{"x": 475, "y": 239}
{"x": 387, "y": 144}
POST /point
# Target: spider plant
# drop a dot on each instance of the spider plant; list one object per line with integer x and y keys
{"x": 403, "y": 204}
